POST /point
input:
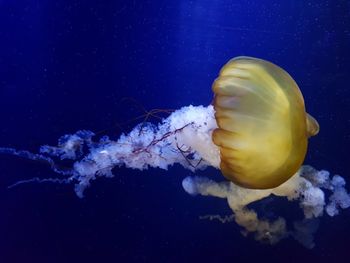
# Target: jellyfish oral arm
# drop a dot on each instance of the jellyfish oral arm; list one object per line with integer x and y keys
{"x": 316, "y": 192}
{"x": 183, "y": 138}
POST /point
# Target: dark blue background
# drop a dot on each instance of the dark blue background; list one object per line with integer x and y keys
{"x": 68, "y": 65}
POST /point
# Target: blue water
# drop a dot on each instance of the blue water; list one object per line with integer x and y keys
{"x": 68, "y": 65}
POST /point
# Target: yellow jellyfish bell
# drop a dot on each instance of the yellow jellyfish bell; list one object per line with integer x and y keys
{"x": 263, "y": 128}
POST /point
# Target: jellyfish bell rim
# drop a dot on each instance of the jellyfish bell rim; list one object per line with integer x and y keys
{"x": 313, "y": 127}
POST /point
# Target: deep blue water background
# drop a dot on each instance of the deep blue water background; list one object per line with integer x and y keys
{"x": 68, "y": 65}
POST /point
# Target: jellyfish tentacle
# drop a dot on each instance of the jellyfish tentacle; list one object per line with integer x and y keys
{"x": 36, "y": 157}
{"x": 43, "y": 180}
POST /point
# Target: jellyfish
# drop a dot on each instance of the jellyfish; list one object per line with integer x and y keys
{"x": 255, "y": 132}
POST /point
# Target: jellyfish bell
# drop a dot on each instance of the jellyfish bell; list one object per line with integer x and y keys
{"x": 263, "y": 128}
